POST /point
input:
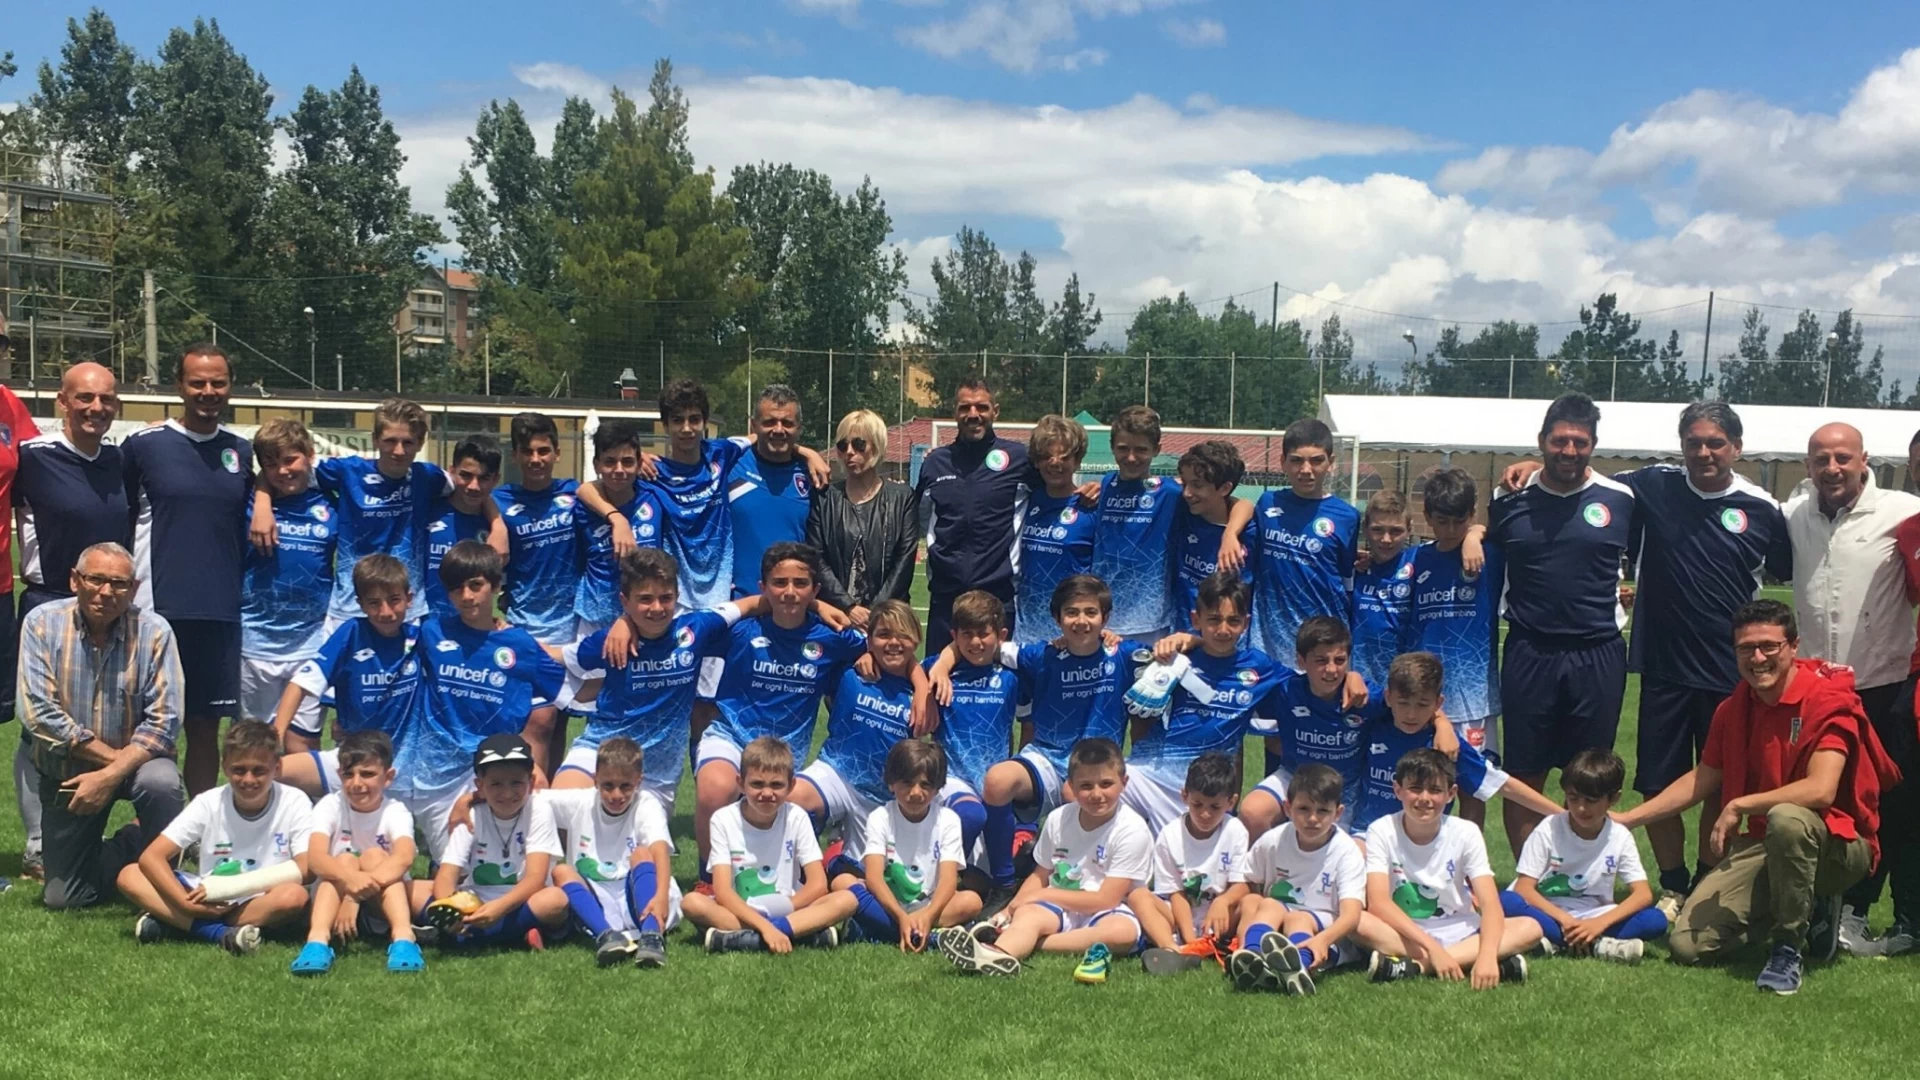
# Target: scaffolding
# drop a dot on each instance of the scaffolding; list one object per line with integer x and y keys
{"x": 57, "y": 226}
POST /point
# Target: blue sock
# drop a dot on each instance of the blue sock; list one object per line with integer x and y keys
{"x": 649, "y": 925}
{"x": 208, "y": 930}
{"x": 973, "y": 818}
{"x": 873, "y": 917}
{"x": 642, "y": 879}
{"x": 1514, "y": 907}
{"x": 1644, "y": 925}
{"x": 1300, "y": 939}
{"x": 586, "y": 907}
{"x": 781, "y": 924}
{"x": 999, "y": 833}
{"x": 1256, "y": 932}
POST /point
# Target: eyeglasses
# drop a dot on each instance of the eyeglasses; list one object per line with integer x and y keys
{"x": 112, "y": 584}
{"x": 1767, "y": 649}
{"x": 856, "y": 444}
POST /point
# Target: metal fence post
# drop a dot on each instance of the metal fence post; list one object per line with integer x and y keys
{"x": 1146, "y": 386}
{"x": 829, "y": 388}
{"x": 1063, "y": 384}
{"x": 1233, "y": 371}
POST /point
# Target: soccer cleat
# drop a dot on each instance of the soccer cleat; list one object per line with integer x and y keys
{"x": 1288, "y": 966}
{"x": 1670, "y": 904}
{"x": 446, "y": 914}
{"x": 614, "y": 947}
{"x": 1782, "y": 973}
{"x": 316, "y": 958}
{"x": 1248, "y": 971}
{"x": 148, "y": 930}
{"x": 1854, "y": 938}
{"x": 1513, "y": 970}
{"x": 1548, "y": 948}
{"x": 1170, "y": 961}
{"x": 426, "y": 934}
{"x": 719, "y": 941}
{"x": 1619, "y": 950}
{"x": 1823, "y": 929}
{"x": 240, "y": 940}
{"x": 828, "y": 938}
{"x": 650, "y": 949}
{"x": 1898, "y": 939}
{"x": 1092, "y": 969}
{"x": 535, "y": 941}
{"x": 1382, "y": 968}
{"x": 972, "y": 956}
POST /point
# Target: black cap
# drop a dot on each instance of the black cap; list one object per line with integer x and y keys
{"x": 503, "y": 749}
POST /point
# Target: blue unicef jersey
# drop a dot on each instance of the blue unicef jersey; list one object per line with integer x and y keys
{"x": 1193, "y": 728}
{"x": 543, "y": 565}
{"x": 768, "y": 502}
{"x": 1131, "y": 551}
{"x": 378, "y": 515}
{"x": 283, "y": 597}
{"x": 1313, "y": 729}
{"x": 1456, "y": 617}
{"x": 1382, "y": 595}
{"x": 1196, "y": 555}
{"x": 375, "y": 678}
{"x": 699, "y": 527}
{"x": 446, "y": 527}
{"x": 1385, "y": 745}
{"x": 1073, "y": 697}
{"x": 864, "y": 720}
{"x": 1302, "y": 565}
{"x": 774, "y": 679}
{"x": 977, "y": 729}
{"x": 1056, "y": 542}
{"x": 1563, "y": 557}
{"x": 596, "y": 595}
{"x": 479, "y": 683}
{"x": 651, "y": 699}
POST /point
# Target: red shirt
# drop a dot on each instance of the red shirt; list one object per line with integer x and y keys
{"x": 1772, "y": 747}
{"x": 16, "y": 426}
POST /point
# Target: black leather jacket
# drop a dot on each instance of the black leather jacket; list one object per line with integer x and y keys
{"x": 890, "y": 545}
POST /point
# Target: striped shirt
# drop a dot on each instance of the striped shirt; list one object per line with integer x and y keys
{"x": 71, "y": 692}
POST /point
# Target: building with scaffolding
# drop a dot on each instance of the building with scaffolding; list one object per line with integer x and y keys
{"x": 57, "y": 226}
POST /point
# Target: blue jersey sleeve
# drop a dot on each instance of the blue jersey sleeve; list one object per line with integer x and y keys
{"x": 544, "y": 675}
{"x": 587, "y": 655}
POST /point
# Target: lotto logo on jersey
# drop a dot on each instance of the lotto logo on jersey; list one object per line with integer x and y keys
{"x": 229, "y": 460}
{"x": 811, "y": 650}
{"x": 562, "y": 502}
{"x": 503, "y": 658}
{"x": 1424, "y": 575}
{"x": 760, "y": 643}
{"x": 515, "y": 510}
{"x": 438, "y": 526}
{"x": 1733, "y": 519}
{"x": 446, "y": 646}
{"x": 1323, "y": 527}
{"x": 683, "y": 637}
{"x": 1597, "y": 515}
{"x": 997, "y": 460}
{"x": 363, "y": 656}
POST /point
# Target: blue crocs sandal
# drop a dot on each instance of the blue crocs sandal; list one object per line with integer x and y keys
{"x": 405, "y": 956}
{"x": 314, "y": 959}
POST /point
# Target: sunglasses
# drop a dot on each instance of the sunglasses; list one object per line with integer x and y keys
{"x": 857, "y": 445}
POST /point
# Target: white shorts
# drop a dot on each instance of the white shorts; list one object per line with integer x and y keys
{"x": 1074, "y": 920}
{"x": 845, "y": 804}
{"x": 1277, "y": 784}
{"x": 582, "y": 630}
{"x": 710, "y": 670}
{"x": 327, "y": 764}
{"x": 714, "y": 746}
{"x": 1046, "y": 783}
{"x": 773, "y": 905}
{"x": 613, "y": 902}
{"x": 430, "y": 810}
{"x": 1154, "y": 798}
{"x": 1452, "y": 929}
{"x": 584, "y": 758}
{"x": 1482, "y": 734}
{"x": 261, "y": 684}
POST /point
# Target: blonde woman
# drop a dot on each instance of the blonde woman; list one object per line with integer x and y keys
{"x": 866, "y": 528}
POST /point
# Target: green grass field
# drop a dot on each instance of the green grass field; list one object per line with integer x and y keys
{"x": 84, "y": 1001}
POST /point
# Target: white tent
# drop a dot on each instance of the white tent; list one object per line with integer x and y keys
{"x": 1628, "y": 429}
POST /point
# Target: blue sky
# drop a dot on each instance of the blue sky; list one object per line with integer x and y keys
{"x": 1458, "y": 160}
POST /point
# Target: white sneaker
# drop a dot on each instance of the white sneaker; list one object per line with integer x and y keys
{"x": 1855, "y": 940}
{"x": 1897, "y": 940}
{"x": 1670, "y": 904}
{"x": 1619, "y": 950}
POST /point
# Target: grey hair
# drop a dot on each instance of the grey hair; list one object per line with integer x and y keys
{"x": 780, "y": 393}
{"x": 1718, "y": 413}
{"x": 105, "y": 547}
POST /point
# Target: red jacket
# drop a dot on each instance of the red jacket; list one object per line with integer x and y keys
{"x": 1828, "y": 706}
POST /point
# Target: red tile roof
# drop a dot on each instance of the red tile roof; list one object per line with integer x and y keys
{"x": 461, "y": 279}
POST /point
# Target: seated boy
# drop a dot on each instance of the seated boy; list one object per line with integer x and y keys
{"x": 1093, "y": 852}
{"x": 1570, "y": 866}
{"x": 1310, "y": 881}
{"x": 360, "y": 848}
{"x": 501, "y": 857}
{"x": 1199, "y": 869}
{"x": 620, "y": 880}
{"x": 284, "y": 591}
{"x": 769, "y": 882}
{"x": 1426, "y": 873}
{"x": 910, "y": 875}
{"x": 1317, "y": 714}
{"x": 252, "y": 822}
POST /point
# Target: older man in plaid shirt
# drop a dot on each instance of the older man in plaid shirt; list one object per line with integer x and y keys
{"x": 100, "y": 694}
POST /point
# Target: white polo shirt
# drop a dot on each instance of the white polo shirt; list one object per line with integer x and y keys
{"x": 1849, "y": 583}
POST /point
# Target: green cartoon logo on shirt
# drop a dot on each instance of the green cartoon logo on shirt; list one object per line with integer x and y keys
{"x": 230, "y": 867}
{"x": 486, "y": 873}
{"x": 594, "y": 870}
{"x": 1418, "y": 901}
{"x": 1563, "y": 885}
{"x": 1066, "y": 876}
{"x": 750, "y": 882}
{"x": 907, "y": 883}
{"x": 1194, "y": 886}
{"x": 1282, "y": 891}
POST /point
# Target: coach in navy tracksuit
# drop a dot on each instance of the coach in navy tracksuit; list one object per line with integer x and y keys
{"x": 1563, "y": 671}
{"x": 971, "y": 497}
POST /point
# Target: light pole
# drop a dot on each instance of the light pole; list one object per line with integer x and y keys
{"x": 339, "y": 372}
{"x": 1826, "y": 382}
{"x": 312, "y": 338}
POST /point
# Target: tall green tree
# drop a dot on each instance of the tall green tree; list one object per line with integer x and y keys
{"x": 1608, "y": 359}
{"x": 971, "y": 310}
{"x": 501, "y": 203}
{"x": 1482, "y": 366}
{"x": 87, "y": 101}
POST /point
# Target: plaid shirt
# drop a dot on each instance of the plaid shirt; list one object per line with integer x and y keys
{"x": 71, "y": 692}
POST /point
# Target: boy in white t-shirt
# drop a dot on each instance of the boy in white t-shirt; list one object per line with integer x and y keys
{"x": 1310, "y": 883}
{"x": 1426, "y": 873}
{"x": 1572, "y": 864}
{"x": 910, "y": 871}
{"x": 360, "y": 848}
{"x": 618, "y": 871}
{"x": 491, "y": 887}
{"x": 252, "y": 822}
{"x": 1199, "y": 870}
{"x": 769, "y": 882}
{"x": 1092, "y": 853}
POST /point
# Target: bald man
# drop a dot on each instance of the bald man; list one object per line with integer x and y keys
{"x": 1850, "y": 593}
{"x": 69, "y": 495}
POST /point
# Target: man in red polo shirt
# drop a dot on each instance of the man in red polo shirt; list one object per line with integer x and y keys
{"x": 1792, "y": 755}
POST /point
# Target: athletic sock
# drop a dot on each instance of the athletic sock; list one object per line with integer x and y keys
{"x": 873, "y": 917}
{"x": 1255, "y": 933}
{"x": 1675, "y": 879}
{"x": 973, "y": 818}
{"x": 211, "y": 931}
{"x": 642, "y": 880}
{"x": 649, "y": 925}
{"x": 999, "y": 833}
{"x": 1300, "y": 939}
{"x": 586, "y": 907}
{"x": 781, "y": 924}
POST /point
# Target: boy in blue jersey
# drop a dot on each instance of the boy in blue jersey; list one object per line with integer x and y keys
{"x": 777, "y": 666}
{"x": 616, "y": 464}
{"x": 976, "y": 725}
{"x": 1056, "y": 532}
{"x": 908, "y": 881}
{"x": 1213, "y": 524}
{"x": 461, "y": 514}
{"x": 1307, "y": 542}
{"x": 1382, "y": 586}
{"x": 1132, "y": 543}
{"x": 543, "y": 560}
{"x": 283, "y": 598}
{"x": 372, "y": 666}
{"x": 1456, "y": 616}
{"x": 1317, "y": 715}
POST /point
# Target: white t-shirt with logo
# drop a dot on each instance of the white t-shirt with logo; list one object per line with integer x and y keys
{"x": 1201, "y": 868}
{"x": 1317, "y": 880}
{"x": 1429, "y": 881}
{"x": 915, "y": 850}
{"x": 600, "y": 846}
{"x": 765, "y": 862}
{"x": 1577, "y": 874}
{"x": 231, "y": 843}
{"x": 350, "y": 832}
{"x": 494, "y": 852}
{"x": 1082, "y": 859}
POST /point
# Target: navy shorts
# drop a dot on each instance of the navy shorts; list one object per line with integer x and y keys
{"x": 210, "y": 661}
{"x": 1560, "y": 697}
{"x": 1673, "y": 731}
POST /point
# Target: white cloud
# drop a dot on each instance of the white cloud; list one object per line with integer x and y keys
{"x": 1196, "y": 33}
{"x": 562, "y": 78}
{"x": 1025, "y": 35}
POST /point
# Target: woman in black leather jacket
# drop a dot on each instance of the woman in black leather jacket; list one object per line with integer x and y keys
{"x": 867, "y": 529}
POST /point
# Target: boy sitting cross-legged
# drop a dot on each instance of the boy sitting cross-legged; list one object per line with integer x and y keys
{"x": 252, "y": 822}
{"x": 769, "y": 883}
{"x": 619, "y": 881}
{"x": 1426, "y": 872}
{"x": 1199, "y": 869}
{"x": 360, "y": 847}
{"x": 1309, "y": 880}
{"x": 501, "y": 856}
{"x": 913, "y": 854}
{"x": 1092, "y": 853}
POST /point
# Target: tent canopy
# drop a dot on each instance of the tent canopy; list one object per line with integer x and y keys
{"x": 1628, "y": 429}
